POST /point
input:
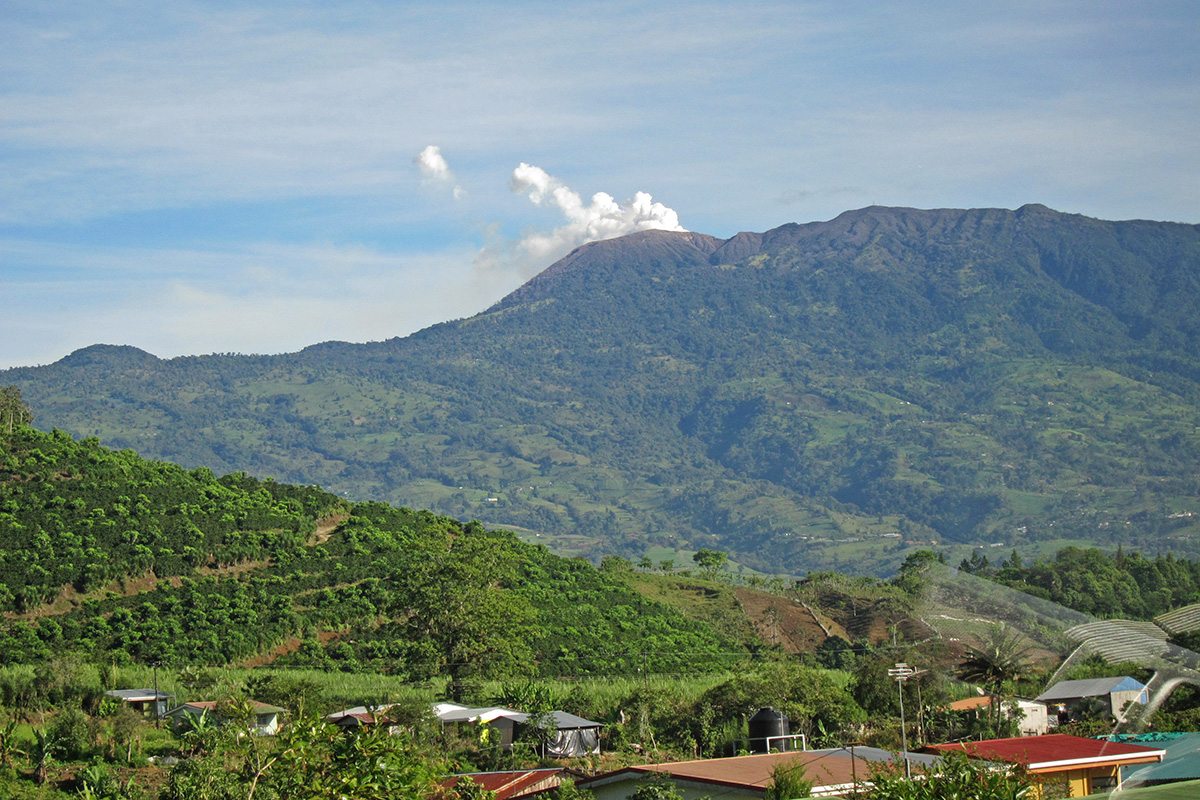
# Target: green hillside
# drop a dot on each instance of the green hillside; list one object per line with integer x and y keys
{"x": 821, "y": 395}
{"x": 127, "y": 560}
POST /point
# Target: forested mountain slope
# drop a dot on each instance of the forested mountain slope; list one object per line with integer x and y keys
{"x": 816, "y": 395}
{"x": 123, "y": 559}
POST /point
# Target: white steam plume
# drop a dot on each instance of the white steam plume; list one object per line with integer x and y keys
{"x": 434, "y": 168}
{"x": 603, "y": 218}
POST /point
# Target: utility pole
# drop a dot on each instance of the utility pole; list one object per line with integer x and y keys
{"x": 157, "y": 707}
{"x": 853, "y": 770}
{"x": 900, "y": 673}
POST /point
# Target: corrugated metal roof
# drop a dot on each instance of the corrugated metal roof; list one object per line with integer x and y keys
{"x": 137, "y": 695}
{"x": 1051, "y": 750}
{"x": 1091, "y": 687}
{"x": 482, "y": 714}
{"x": 513, "y": 784}
{"x": 1182, "y": 762}
{"x": 563, "y": 720}
{"x": 971, "y": 703}
{"x": 824, "y": 768}
{"x": 211, "y": 705}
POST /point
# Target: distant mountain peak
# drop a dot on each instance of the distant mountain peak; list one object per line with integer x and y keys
{"x": 649, "y": 249}
{"x": 115, "y": 354}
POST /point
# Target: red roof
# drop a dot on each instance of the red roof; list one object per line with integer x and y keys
{"x": 509, "y": 785}
{"x": 1052, "y": 752}
{"x": 971, "y": 703}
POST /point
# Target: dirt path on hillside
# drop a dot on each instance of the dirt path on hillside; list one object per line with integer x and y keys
{"x": 325, "y": 529}
{"x": 287, "y": 647}
{"x": 68, "y": 598}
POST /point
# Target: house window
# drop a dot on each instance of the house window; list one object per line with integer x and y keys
{"x": 1101, "y": 783}
{"x": 1055, "y": 788}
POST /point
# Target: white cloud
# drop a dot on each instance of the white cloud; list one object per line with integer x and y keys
{"x": 434, "y": 168}
{"x": 602, "y": 218}
{"x": 433, "y": 164}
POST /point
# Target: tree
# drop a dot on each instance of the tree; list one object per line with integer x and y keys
{"x": 912, "y": 572}
{"x": 813, "y": 702}
{"x": 8, "y": 744}
{"x": 567, "y": 790}
{"x": 463, "y": 618}
{"x": 656, "y": 786}
{"x": 13, "y": 411}
{"x": 41, "y": 756}
{"x": 787, "y": 783}
{"x": 955, "y": 777}
{"x": 1003, "y": 659}
{"x": 710, "y": 560}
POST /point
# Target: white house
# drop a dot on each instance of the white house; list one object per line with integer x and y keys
{"x": 266, "y": 717}
{"x": 1032, "y": 717}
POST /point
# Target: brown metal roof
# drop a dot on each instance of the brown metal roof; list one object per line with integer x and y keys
{"x": 514, "y": 784}
{"x": 824, "y": 768}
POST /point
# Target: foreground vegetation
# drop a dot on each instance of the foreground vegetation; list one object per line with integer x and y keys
{"x": 120, "y": 572}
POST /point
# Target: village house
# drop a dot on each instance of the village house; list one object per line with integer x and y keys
{"x": 833, "y": 773}
{"x": 1032, "y": 717}
{"x": 1072, "y": 764}
{"x": 501, "y": 721}
{"x": 1068, "y": 700}
{"x": 265, "y": 717}
{"x": 361, "y": 717}
{"x": 568, "y": 735}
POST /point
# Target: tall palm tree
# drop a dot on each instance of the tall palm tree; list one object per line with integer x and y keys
{"x": 1003, "y": 659}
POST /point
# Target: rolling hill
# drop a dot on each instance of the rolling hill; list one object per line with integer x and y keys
{"x": 819, "y": 395}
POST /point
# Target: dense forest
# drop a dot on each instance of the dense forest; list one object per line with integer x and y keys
{"x": 1104, "y": 584}
{"x": 830, "y": 395}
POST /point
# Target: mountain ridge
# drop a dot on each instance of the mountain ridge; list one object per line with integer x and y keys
{"x": 813, "y": 395}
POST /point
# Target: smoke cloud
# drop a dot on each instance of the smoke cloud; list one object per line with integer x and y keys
{"x": 602, "y": 218}
{"x": 434, "y": 168}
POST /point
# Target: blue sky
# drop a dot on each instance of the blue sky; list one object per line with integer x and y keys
{"x": 195, "y": 178}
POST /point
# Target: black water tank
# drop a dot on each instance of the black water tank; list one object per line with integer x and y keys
{"x": 765, "y": 725}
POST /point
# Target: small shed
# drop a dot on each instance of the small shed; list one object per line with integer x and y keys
{"x": 1066, "y": 698}
{"x": 359, "y": 717}
{"x": 571, "y": 736}
{"x": 147, "y": 701}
